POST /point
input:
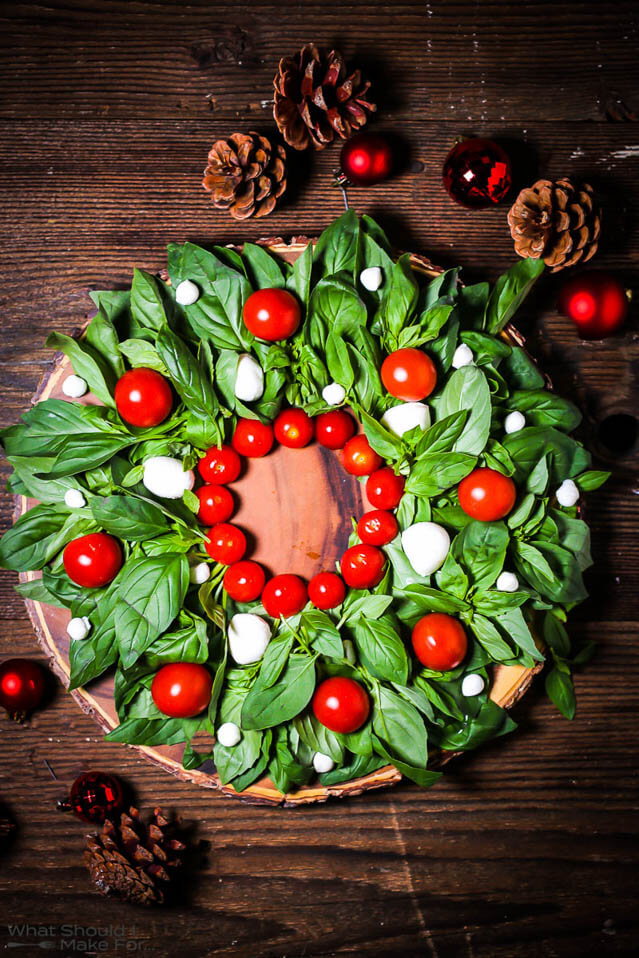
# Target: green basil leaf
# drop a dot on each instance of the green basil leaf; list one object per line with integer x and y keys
{"x": 490, "y": 722}
{"x": 360, "y": 766}
{"x": 370, "y": 606}
{"x": 400, "y": 726}
{"x": 401, "y": 297}
{"x": 37, "y": 537}
{"x": 526, "y": 447}
{"x": 490, "y": 639}
{"x": 510, "y": 291}
{"x": 481, "y": 549}
{"x": 468, "y": 389}
{"x": 543, "y": 408}
{"x": 336, "y": 248}
{"x": 435, "y": 472}
{"x": 592, "y": 480}
{"x": 387, "y": 445}
{"x": 452, "y": 578}
{"x": 128, "y": 518}
{"x": 186, "y": 373}
{"x": 441, "y": 436}
{"x": 267, "y": 707}
{"x": 515, "y": 626}
{"x": 101, "y": 334}
{"x": 521, "y": 371}
{"x": 275, "y": 658}
{"x": 264, "y": 270}
{"x": 147, "y": 307}
{"x": 561, "y": 692}
{"x": 88, "y": 364}
{"x": 555, "y": 635}
{"x": 318, "y": 737}
{"x": 381, "y": 650}
{"x": 299, "y": 279}
{"x": 140, "y": 353}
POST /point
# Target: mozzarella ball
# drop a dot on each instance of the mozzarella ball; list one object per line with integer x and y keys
{"x": 568, "y": 493}
{"x": 74, "y": 499}
{"x": 507, "y": 582}
{"x": 334, "y": 394}
{"x": 249, "y": 636}
{"x": 463, "y": 356}
{"x": 472, "y": 685}
{"x": 79, "y": 628}
{"x": 371, "y": 278}
{"x": 403, "y": 418}
{"x": 74, "y": 387}
{"x": 322, "y": 763}
{"x": 165, "y": 477}
{"x": 249, "y": 379}
{"x": 514, "y": 421}
{"x": 187, "y": 293}
{"x": 228, "y": 734}
{"x": 199, "y": 573}
{"x": 426, "y": 546}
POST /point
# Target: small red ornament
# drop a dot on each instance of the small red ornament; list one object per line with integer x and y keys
{"x": 366, "y": 158}
{"x": 22, "y": 686}
{"x": 477, "y": 173}
{"x": 94, "y": 797}
{"x": 596, "y": 302}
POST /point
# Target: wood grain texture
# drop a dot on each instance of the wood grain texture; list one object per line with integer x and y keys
{"x": 528, "y": 848}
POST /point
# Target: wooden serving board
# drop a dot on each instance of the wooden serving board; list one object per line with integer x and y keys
{"x": 296, "y": 506}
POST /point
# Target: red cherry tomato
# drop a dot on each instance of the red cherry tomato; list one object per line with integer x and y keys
{"x": 334, "y": 429}
{"x": 284, "y": 595}
{"x": 244, "y": 580}
{"x": 293, "y": 428}
{"x": 22, "y": 685}
{"x": 216, "y": 504}
{"x": 439, "y": 642}
{"x": 486, "y": 494}
{"x": 93, "y": 560}
{"x": 384, "y": 489}
{"x": 377, "y": 528}
{"x": 219, "y": 466}
{"x": 182, "y": 689}
{"x": 143, "y": 397}
{"x": 252, "y": 438}
{"x": 359, "y": 458}
{"x": 363, "y": 566}
{"x": 326, "y": 590}
{"x": 341, "y": 704}
{"x": 225, "y": 543}
{"x": 409, "y": 374}
{"x": 272, "y": 314}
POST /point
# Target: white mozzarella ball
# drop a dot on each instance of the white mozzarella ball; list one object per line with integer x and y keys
{"x": 322, "y": 763}
{"x": 166, "y": 477}
{"x": 249, "y": 635}
{"x": 249, "y": 379}
{"x": 514, "y": 421}
{"x": 463, "y": 356}
{"x": 228, "y": 734}
{"x": 333, "y": 394}
{"x": 507, "y": 582}
{"x": 403, "y": 418}
{"x": 74, "y": 499}
{"x": 371, "y": 278}
{"x": 79, "y": 628}
{"x": 472, "y": 685}
{"x": 199, "y": 573}
{"x": 568, "y": 493}
{"x": 74, "y": 387}
{"x": 426, "y": 546}
{"x": 187, "y": 293}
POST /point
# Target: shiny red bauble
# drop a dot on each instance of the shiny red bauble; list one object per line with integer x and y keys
{"x": 22, "y": 686}
{"x": 326, "y": 590}
{"x": 341, "y": 704}
{"x": 216, "y": 504}
{"x": 596, "y": 302}
{"x": 143, "y": 397}
{"x": 362, "y": 566}
{"x": 477, "y": 173}
{"x": 182, "y": 689}
{"x": 366, "y": 158}
{"x": 93, "y": 560}
{"x": 284, "y": 595}
{"x": 94, "y": 797}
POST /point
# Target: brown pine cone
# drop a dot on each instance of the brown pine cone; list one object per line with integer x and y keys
{"x": 558, "y": 221}
{"x": 131, "y": 860}
{"x": 245, "y": 175}
{"x": 315, "y": 98}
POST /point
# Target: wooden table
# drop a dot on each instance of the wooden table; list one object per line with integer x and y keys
{"x": 108, "y": 111}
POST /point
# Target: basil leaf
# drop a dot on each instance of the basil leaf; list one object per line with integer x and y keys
{"x": 324, "y": 635}
{"x": 263, "y": 269}
{"x": 128, "y": 518}
{"x": 371, "y": 606}
{"x": 188, "y": 377}
{"x": 88, "y": 364}
{"x": 521, "y": 371}
{"x": 401, "y": 297}
{"x": 101, "y": 334}
{"x": 336, "y": 248}
{"x": 555, "y": 635}
{"x": 441, "y": 436}
{"x": 468, "y": 389}
{"x": 421, "y": 776}
{"x": 490, "y": 722}
{"x": 592, "y": 480}
{"x": 400, "y": 726}
{"x": 452, "y": 578}
{"x": 48, "y": 491}
{"x": 561, "y": 692}
{"x": 36, "y": 591}
{"x": 481, "y": 549}
{"x": 186, "y": 644}
{"x": 275, "y": 658}
{"x": 158, "y": 731}
{"x": 318, "y": 737}
{"x": 435, "y": 472}
{"x": 514, "y": 625}
{"x": 567, "y": 457}
{"x": 266, "y": 707}
{"x": 140, "y": 353}
{"x": 299, "y": 279}
{"x": 360, "y": 766}
{"x": 543, "y": 408}
{"x": 381, "y": 650}
{"x": 510, "y": 291}
{"x": 147, "y": 307}
{"x": 387, "y": 445}
{"x": 486, "y": 349}
{"x": 36, "y": 537}
{"x": 489, "y": 638}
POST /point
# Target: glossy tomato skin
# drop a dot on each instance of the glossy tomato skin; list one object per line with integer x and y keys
{"x": 143, "y": 397}
{"x": 359, "y": 458}
{"x": 284, "y": 595}
{"x": 334, "y": 429}
{"x": 384, "y": 489}
{"x": 225, "y": 543}
{"x": 326, "y": 590}
{"x": 409, "y": 374}
{"x": 252, "y": 438}
{"x": 244, "y": 580}
{"x": 220, "y": 466}
{"x": 377, "y": 527}
{"x": 293, "y": 428}
{"x": 216, "y": 504}
{"x": 486, "y": 494}
{"x": 272, "y": 314}
{"x": 93, "y": 560}
{"x": 362, "y": 566}
{"x": 440, "y": 642}
{"x": 22, "y": 685}
{"x": 341, "y": 704}
{"x": 182, "y": 689}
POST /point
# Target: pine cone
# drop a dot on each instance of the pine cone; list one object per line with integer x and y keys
{"x": 559, "y": 222}
{"x": 130, "y": 859}
{"x": 245, "y": 175}
{"x": 315, "y": 99}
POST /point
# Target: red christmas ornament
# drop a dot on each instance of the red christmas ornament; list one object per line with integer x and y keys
{"x": 596, "y": 302}
{"x": 366, "y": 158}
{"x": 22, "y": 686}
{"x": 477, "y": 173}
{"x": 94, "y": 797}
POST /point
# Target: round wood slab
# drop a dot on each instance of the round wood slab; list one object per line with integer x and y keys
{"x": 296, "y": 506}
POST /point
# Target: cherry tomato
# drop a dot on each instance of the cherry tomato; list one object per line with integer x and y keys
{"x": 384, "y": 489}
{"x": 219, "y": 466}
{"x": 225, "y": 543}
{"x": 182, "y": 689}
{"x": 272, "y": 314}
{"x": 244, "y": 580}
{"x": 326, "y": 590}
{"x": 93, "y": 560}
{"x": 293, "y": 428}
{"x": 216, "y": 504}
{"x": 377, "y": 528}
{"x": 284, "y": 595}
{"x": 363, "y": 566}
{"x": 439, "y": 642}
{"x": 409, "y": 374}
{"x": 359, "y": 458}
{"x": 22, "y": 685}
{"x": 341, "y": 704}
{"x": 334, "y": 429}
{"x": 486, "y": 494}
{"x": 143, "y": 397}
{"x": 252, "y": 438}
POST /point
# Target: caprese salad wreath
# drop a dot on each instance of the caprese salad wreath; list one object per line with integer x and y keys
{"x": 473, "y": 539}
